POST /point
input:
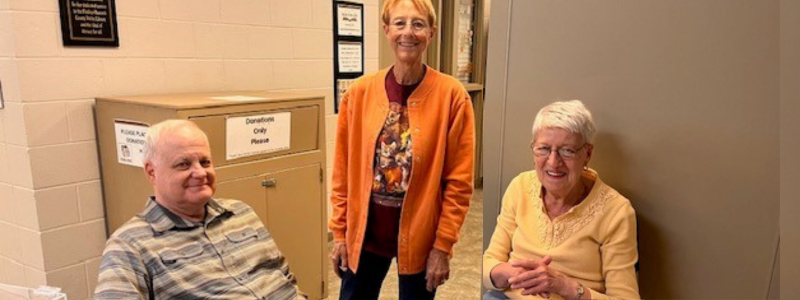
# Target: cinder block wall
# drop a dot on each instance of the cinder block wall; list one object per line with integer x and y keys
{"x": 52, "y": 228}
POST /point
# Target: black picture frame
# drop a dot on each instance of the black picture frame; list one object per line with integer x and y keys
{"x": 338, "y": 75}
{"x": 89, "y": 23}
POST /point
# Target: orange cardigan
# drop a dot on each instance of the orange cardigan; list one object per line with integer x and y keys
{"x": 440, "y": 188}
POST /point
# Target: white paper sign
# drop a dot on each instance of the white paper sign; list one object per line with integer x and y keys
{"x": 349, "y": 20}
{"x": 130, "y": 142}
{"x": 259, "y": 134}
{"x": 350, "y": 57}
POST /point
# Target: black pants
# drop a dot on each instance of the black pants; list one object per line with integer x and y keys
{"x": 372, "y": 270}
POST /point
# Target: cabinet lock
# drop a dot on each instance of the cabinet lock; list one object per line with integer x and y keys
{"x": 269, "y": 182}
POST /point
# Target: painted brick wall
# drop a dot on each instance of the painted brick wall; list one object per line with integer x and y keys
{"x": 51, "y": 223}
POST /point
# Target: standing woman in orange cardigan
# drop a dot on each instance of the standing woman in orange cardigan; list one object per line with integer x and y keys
{"x": 403, "y": 166}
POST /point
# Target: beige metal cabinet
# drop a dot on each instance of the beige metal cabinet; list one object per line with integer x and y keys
{"x": 290, "y": 197}
{"x": 285, "y": 187}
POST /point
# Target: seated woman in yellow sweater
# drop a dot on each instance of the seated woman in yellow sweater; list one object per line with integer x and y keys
{"x": 562, "y": 233}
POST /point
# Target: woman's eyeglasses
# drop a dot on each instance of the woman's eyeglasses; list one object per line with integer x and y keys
{"x": 564, "y": 153}
{"x": 416, "y": 25}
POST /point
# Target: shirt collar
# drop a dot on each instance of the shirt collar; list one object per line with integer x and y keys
{"x": 420, "y": 93}
{"x": 161, "y": 219}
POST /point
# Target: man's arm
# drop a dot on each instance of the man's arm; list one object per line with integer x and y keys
{"x": 122, "y": 273}
{"x": 290, "y": 276}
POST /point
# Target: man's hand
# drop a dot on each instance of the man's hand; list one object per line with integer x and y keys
{"x": 438, "y": 270}
{"x": 339, "y": 258}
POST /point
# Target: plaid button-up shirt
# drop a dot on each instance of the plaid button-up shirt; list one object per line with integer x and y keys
{"x": 158, "y": 255}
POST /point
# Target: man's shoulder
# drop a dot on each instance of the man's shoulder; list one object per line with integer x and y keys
{"x": 135, "y": 229}
{"x": 236, "y": 206}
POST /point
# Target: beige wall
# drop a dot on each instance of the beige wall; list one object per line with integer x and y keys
{"x": 790, "y": 147}
{"x": 685, "y": 96}
{"x": 51, "y": 222}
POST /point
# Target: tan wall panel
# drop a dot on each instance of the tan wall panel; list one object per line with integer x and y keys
{"x": 775, "y": 281}
{"x": 790, "y": 146}
{"x": 685, "y": 96}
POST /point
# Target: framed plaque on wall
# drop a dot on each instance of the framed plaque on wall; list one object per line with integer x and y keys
{"x": 89, "y": 23}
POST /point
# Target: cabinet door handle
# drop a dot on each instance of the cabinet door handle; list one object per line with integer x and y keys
{"x": 269, "y": 182}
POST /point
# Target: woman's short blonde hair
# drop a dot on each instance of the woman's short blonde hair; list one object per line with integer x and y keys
{"x": 424, "y": 6}
{"x": 571, "y": 116}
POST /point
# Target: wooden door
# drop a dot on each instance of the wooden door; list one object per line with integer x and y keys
{"x": 247, "y": 190}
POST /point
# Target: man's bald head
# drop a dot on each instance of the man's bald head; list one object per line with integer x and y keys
{"x": 156, "y": 132}
{"x": 178, "y": 165}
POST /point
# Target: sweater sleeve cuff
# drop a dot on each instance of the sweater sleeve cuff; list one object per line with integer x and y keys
{"x": 596, "y": 295}
{"x": 443, "y": 245}
{"x": 338, "y": 236}
{"x": 488, "y": 266}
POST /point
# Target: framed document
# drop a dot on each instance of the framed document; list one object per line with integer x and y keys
{"x": 348, "y": 46}
{"x": 89, "y": 23}
{"x": 349, "y": 18}
{"x": 341, "y": 87}
{"x": 351, "y": 57}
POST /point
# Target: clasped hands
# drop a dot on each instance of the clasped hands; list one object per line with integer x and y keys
{"x": 535, "y": 277}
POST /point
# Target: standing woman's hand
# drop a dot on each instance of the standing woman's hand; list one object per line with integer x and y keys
{"x": 339, "y": 258}
{"x": 438, "y": 270}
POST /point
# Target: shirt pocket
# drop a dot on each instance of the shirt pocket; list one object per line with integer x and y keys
{"x": 258, "y": 247}
{"x": 249, "y": 241}
{"x": 242, "y": 237}
{"x": 180, "y": 255}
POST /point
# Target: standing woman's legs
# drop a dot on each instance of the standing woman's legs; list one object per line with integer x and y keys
{"x": 414, "y": 286}
{"x": 366, "y": 284}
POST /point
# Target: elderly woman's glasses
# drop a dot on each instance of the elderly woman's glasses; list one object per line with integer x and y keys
{"x": 564, "y": 153}
{"x": 416, "y": 25}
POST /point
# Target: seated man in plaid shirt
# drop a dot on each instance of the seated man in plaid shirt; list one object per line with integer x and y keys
{"x": 186, "y": 245}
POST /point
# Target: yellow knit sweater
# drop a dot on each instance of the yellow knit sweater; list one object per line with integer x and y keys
{"x": 593, "y": 243}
